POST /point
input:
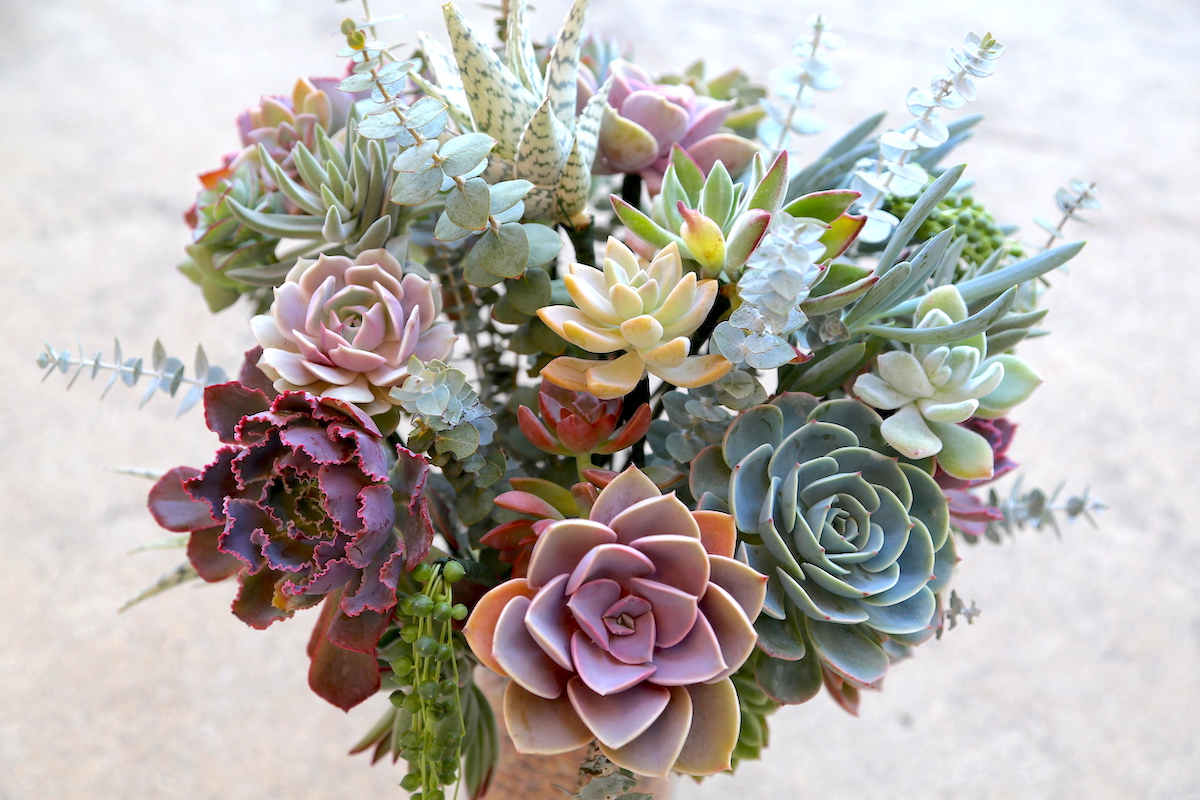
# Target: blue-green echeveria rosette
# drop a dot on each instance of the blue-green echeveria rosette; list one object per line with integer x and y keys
{"x": 855, "y": 543}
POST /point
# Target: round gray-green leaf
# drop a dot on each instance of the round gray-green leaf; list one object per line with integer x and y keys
{"x": 544, "y": 244}
{"x": 529, "y": 292}
{"x": 414, "y": 188}
{"x": 463, "y": 153}
{"x": 502, "y": 252}
{"x": 467, "y": 204}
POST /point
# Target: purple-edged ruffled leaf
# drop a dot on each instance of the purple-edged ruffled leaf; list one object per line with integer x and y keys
{"x": 342, "y": 497}
{"x": 376, "y": 588}
{"x": 342, "y": 677}
{"x": 253, "y": 604}
{"x": 215, "y": 483}
{"x": 245, "y": 517}
{"x": 176, "y": 510}
{"x": 359, "y": 634}
{"x": 209, "y": 562}
{"x": 252, "y": 377}
{"x": 618, "y": 719}
{"x": 225, "y": 404}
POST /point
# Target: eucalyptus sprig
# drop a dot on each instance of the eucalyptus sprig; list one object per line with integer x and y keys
{"x": 165, "y": 373}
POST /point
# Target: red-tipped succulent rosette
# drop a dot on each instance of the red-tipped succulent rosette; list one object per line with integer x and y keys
{"x": 579, "y": 423}
{"x": 625, "y": 630}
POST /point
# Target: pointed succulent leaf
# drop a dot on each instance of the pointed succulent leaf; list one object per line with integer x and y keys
{"x": 563, "y": 70}
{"x": 500, "y": 105}
{"x": 641, "y": 225}
{"x": 717, "y": 197}
{"x": 840, "y": 298}
{"x": 769, "y": 191}
{"x": 949, "y": 334}
{"x": 925, "y": 205}
{"x": 841, "y": 234}
{"x": 688, "y": 173}
{"x": 889, "y": 282}
{"x": 285, "y": 226}
{"x": 826, "y": 205}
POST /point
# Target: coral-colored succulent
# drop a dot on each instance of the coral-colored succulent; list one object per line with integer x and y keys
{"x": 649, "y": 311}
{"x": 346, "y": 329}
{"x": 626, "y": 630}
{"x": 579, "y": 423}
{"x": 644, "y": 119}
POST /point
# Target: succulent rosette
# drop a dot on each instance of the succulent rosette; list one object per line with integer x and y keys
{"x": 299, "y": 496}
{"x": 644, "y": 119}
{"x": 646, "y": 310}
{"x": 346, "y": 329}
{"x": 579, "y": 423}
{"x": 625, "y": 630}
{"x": 279, "y": 123}
{"x": 856, "y": 544}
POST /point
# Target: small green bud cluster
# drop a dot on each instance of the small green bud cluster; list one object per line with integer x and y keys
{"x": 424, "y": 665}
{"x": 969, "y": 218}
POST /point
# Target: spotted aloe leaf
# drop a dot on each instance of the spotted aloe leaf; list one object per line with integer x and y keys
{"x": 500, "y": 105}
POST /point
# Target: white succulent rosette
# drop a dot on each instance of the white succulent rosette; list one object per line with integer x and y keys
{"x": 934, "y": 388}
{"x": 647, "y": 310}
{"x": 347, "y": 329}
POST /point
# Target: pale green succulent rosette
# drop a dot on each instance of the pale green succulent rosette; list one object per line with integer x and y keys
{"x": 934, "y": 388}
{"x": 856, "y": 543}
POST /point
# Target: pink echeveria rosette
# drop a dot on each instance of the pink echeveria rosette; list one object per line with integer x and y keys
{"x": 625, "y": 630}
{"x": 346, "y": 329}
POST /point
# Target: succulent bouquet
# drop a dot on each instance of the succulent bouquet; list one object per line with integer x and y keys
{"x": 572, "y": 373}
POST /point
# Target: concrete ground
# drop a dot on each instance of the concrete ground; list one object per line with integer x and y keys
{"x": 1079, "y": 678}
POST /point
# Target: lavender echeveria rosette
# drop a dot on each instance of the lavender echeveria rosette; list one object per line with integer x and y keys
{"x": 626, "y": 630}
{"x": 346, "y": 329}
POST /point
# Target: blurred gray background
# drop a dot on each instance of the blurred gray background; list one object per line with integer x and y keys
{"x": 1079, "y": 678}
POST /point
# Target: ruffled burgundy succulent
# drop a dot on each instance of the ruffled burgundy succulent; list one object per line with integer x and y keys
{"x": 298, "y": 506}
{"x": 579, "y": 423}
{"x": 626, "y": 629}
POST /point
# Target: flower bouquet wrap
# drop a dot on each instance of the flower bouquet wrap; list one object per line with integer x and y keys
{"x": 602, "y": 381}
